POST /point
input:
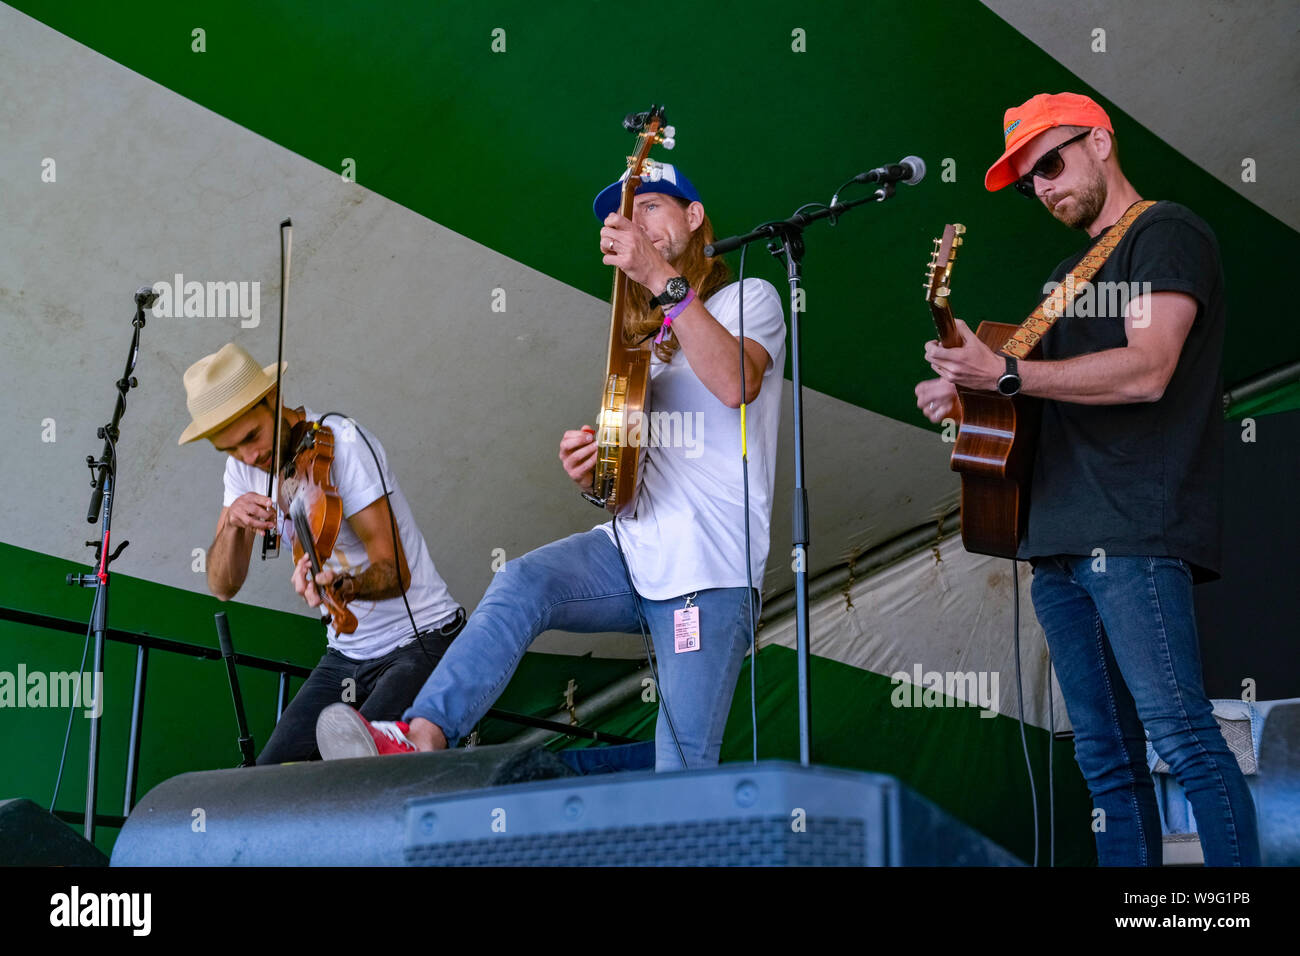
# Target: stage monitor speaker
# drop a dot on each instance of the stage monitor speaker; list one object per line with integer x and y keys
{"x": 770, "y": 813}
{"x": 32, "y": 836}
{"x": 322, "y": 813}
{"x": 1277, "y": 797}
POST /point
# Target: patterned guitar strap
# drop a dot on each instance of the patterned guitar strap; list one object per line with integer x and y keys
{"x": 1061, "y": 297}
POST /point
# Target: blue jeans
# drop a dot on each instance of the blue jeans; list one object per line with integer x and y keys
{"x": 381, "y": 686}
{"x": 578, "y": 584}
{"x": 1123, "y": 643}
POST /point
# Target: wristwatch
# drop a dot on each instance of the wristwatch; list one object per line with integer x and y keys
{"x": 673, "y": 293}
{"x": 1009, "y": 383}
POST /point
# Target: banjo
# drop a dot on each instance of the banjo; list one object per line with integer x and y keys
{"x": 615, "y": 475}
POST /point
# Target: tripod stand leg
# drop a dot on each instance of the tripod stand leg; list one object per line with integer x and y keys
{"x": 228, "y": 655}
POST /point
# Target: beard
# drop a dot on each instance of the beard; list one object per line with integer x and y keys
{"x": 1088, "y": 202}
{"x": 672, "y": 250}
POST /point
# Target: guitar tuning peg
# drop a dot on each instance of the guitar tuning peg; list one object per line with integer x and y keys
{"x": 957, "y": 242}
{"x": 936, "y": 243}
{"x": 670, "y": 132}
{"x": 958, "y": 228}
{"x": 669, "y": 142}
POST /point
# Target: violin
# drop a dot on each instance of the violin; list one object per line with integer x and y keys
{"x": 312, "y": 501}
{"x": 305, "y": 492}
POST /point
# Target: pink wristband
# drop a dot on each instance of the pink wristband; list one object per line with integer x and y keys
{"x": 672, "y": 313}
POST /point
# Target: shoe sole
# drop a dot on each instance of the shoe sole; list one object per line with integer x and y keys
{"x": 342, "y": 733}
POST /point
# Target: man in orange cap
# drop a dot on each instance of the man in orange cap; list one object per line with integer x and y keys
{"x": 1127, "y": 482}
{"x": 406, "y": 619}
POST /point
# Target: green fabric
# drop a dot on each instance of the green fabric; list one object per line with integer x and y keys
{"x": 509, "y": 148}
{"x": 189, "y": 720}
{"x": 1284, "y": 398}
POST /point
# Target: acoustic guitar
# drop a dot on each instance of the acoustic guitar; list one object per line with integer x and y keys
{"x": 620, "y": 424}
{"x": 996, "y": 435}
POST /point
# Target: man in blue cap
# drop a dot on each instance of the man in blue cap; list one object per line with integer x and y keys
{"x": 682, "y": 568}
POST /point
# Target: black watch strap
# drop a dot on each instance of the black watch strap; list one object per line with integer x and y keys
{"x": 673, "y": 293}
{"x": 1009, "y": 383}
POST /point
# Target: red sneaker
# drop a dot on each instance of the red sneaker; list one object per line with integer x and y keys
{"x": 342, "y": 732}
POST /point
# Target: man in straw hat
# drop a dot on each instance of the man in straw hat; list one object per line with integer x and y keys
{"x": 1127, "y": 482}
{"x": 406, "y": 617}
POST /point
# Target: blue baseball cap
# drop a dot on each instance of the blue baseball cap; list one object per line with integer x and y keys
{"x": 661, "y": 178}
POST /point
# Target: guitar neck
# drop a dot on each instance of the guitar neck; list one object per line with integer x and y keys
{"x": 938, "y": 278}
{"x": 944, "y": 323}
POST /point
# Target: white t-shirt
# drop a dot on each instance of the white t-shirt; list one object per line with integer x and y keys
{"x": 689, "y": 531}
{"x": 381, "y": 625}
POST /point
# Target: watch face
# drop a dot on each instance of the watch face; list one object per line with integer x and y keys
{"x": 1009, "y": 384}
{"x": 676, "y": 289}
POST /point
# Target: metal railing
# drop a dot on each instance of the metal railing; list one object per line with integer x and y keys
{"x": 145, "y": 643}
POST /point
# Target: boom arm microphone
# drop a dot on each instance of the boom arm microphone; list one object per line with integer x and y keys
{"x": 909, "y": 170}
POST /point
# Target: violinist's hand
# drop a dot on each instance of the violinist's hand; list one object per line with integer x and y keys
{"x": 578, "y": 453}
{"x": 251, "y": 510}
{"x": 305, "y": 586}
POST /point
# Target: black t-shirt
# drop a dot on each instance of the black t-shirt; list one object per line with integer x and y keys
{"x": 1145, "y": 478}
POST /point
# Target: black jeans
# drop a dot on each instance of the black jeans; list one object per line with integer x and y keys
{"x": 381, "y": 689}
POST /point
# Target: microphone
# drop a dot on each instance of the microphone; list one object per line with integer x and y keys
{"x": 909, "y": 170}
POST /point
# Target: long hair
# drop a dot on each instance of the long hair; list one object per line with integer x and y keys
{"x": 706, "y": 276}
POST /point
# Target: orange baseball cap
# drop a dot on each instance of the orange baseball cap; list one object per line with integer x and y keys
{"x": 1022, "y": 123}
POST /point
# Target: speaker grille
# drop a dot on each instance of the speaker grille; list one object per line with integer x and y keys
{"x": 736, "y": 841}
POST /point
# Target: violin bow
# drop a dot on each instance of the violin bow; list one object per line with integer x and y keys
{"x": 271, "y": 538}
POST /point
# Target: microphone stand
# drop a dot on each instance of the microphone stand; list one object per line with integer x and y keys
{"x": 786, "y": 243}
{"x": 103, "y": 476}
{"x": 228, "y": 655}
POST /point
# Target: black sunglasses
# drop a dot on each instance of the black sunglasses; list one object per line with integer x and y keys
{"x": 1049, "y": 166}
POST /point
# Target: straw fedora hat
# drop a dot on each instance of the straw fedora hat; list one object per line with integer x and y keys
{"x": 222, "y": 386}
